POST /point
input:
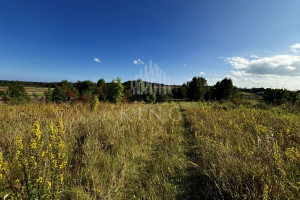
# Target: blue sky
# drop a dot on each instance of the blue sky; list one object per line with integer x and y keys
{"x": 56, "y": 40}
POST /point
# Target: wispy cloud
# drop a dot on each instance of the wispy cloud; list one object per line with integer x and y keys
{"x": 138, "y": 62}
{"x": 254, "y": 56}
{"x": 97, "y": 60}
{"x": 295, "y": 48}
{"x": 202, "y": 73}
{"x": 185, "y": 65}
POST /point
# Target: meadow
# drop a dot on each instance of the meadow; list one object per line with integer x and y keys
{"x": 32, "y": 91}
{"x": 178, "y": 150}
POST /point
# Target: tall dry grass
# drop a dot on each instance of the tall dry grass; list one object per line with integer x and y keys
{"x": 121, "y": 151}
{"x": 148, "y": 151}
{"x": 248, "y": 153}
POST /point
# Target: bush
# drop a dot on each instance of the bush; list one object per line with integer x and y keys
{"x": 17, "y": 93}
{"x": 162, "y": 98}
{"x": 95, "y": 103}
{"x": 4, "y": 96}
{"x": 48, "y": 95}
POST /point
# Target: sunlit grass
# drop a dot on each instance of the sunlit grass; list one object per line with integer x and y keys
{"x": 148, "y": 151}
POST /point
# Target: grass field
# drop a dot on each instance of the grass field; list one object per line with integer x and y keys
{"x": 246, "y": 95}
{"x": 39, "y": 91}
{"x": 185, "y": 150}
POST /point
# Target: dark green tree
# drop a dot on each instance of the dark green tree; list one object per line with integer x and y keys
{"x": 65, "y": 91}
{"x": 197, "y": 89}
{"x": 223, "y": 90}
{"x": 86, "y": 88}
{"x": 276, "y": 96}
{"x": 180, "y": 92}
{"x": 102, "y": 90}
{"x": 48, "y": 95}
{"x": 17, "y": 94}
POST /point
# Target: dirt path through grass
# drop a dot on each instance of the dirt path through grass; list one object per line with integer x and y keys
{"x": 195, "y": 184}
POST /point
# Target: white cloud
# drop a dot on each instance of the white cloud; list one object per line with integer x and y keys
{"x": 238, "y": 62}
{"x": 268, "y": 81}
{"x": 295, "y": 48}
{"x": 202, "y": 73}
{"x": 279, "y": 71}
{"x": 290, "y": 68}
{"x": 238, "y": 73}
{"x": 138, "y": 62}
{"x": 288, "y": 65}
{"x": 97, "y": 60}
{"x": 185, "y": 65}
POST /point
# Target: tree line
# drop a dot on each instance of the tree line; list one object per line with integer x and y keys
{"x": 141, "y": 91}
{"x": 29, "y": 83}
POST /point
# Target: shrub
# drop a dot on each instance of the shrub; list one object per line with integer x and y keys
{"x": 48, "y": 95}
{"x": 4, "y": 96}
{"x": 162, "y": 98}
{"x": 17, "y": 93}
{"x": 95, "y": 103}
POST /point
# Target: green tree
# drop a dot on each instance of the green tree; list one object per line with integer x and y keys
{"x": 180, "y": 92}
{"x": 17, "y": 93}
{"x": 224, "y": 89}
{"x": 149, "y": 94}
{"x": 48, "y": 95}
{"x": 58, "y": 95}
{"x": 86, "y": 88}
{"x": 276, "y": 96}
{"x": 115, "y": 91}
{"x": 102, "y": 90}
{"x": 65, "y": 91}
{"x": 197, "y": 89}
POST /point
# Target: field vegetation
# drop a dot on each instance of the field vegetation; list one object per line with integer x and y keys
{"x": 148, "y": 151}
{"x": 103, "y": 141}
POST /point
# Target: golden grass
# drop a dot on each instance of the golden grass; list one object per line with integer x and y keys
{"x": 248, "y": 153}
{"x": 149, "y": 151}
{"x": 109, "y": 156}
